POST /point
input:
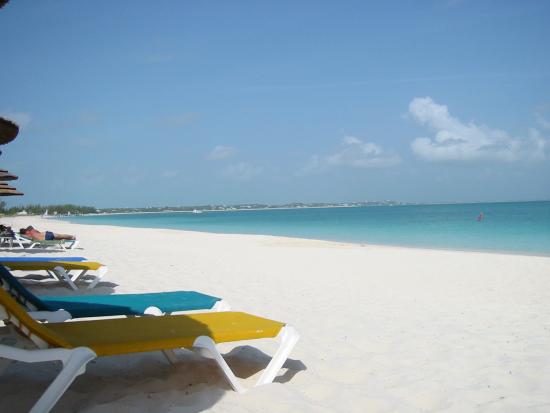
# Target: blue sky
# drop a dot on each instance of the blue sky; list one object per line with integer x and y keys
{"x": 138, "y": 103}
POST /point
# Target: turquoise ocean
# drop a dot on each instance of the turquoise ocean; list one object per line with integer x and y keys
{"x": 517, "y": 227}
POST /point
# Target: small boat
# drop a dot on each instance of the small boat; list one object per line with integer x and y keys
{"x": 196, "y": 211}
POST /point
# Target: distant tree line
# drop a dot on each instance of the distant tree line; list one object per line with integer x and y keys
{"x": 70, "y": 209}
{"x": 36, "y": 209}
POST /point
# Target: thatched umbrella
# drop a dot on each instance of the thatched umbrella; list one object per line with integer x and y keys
{"x": 8, "y": 130}
{"x": 6, "y": 176}
{"x": 10, "y": 192}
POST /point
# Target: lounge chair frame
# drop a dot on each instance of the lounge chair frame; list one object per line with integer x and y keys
{"x": 61, "y": 244}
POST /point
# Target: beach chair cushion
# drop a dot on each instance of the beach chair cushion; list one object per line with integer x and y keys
{"x": 131, "y": 335}
{"x": 130, "y": 304}
{"x": 51, "y": 265}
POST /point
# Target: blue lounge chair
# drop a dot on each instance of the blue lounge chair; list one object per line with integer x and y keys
{"x": 39, "y": 259}
{"x": 66, "y": 307}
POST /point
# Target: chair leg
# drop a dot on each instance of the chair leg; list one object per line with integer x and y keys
{"x": 61, "y": 273}
{"x": 289, "y": 337}
{"x": 99, "y": 275}
{"x": 74, "y": 363}
{"x": 206, "y": 343}
{"x": 77, "y": 275}
{"x": 54, "y": 275}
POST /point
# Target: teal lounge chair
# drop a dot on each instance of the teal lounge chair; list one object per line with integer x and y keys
{"x": 67, "y": 307}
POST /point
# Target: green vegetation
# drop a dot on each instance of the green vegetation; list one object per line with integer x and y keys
{"x": 65, "y": 209}
{"x": 70, "y": 209}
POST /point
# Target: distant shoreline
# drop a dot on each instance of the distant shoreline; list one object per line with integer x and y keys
{"x": 297, "y": 207}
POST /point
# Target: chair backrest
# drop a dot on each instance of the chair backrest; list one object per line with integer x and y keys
{"x": 23, "y": 296}
{"x": 40, "y": 334}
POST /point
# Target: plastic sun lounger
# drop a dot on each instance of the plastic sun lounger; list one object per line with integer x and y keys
{"x": 61, "y": 270}
{"x": 56, "y": 309}
{"x": 78, "y": 342}
{"x": 61, "y": 244}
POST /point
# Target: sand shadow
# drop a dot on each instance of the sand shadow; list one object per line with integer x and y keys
{"x": 245, "y": 361}
{"x": 48, "y": 282}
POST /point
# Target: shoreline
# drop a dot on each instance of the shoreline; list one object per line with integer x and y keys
{"x": 498, "y": 252}
{"x": 399, "y": 204}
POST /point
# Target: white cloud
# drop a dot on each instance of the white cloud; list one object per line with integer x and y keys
{"x": 457, "y": 141}
{"x": 221, "y": 152}
{"x": 242, "y": 171}
{"x": 22, "y": 119}
{"x": 354, "y": 153}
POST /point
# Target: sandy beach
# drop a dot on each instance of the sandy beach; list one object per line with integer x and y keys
{"x": 383, "y": 329}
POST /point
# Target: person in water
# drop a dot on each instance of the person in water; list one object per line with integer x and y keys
{"x": 33, "y": 233}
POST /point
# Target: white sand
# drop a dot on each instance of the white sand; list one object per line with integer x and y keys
{"x": 382, "y": 328}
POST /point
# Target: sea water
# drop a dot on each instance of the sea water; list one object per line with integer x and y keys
{"x": 519, "y": 227}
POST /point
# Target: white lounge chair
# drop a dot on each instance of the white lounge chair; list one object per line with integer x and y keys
{"x": 60, "y": 244}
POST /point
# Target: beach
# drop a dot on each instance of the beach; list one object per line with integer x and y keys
{"x": 382, "y": 329}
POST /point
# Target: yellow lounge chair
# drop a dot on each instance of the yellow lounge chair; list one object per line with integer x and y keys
{"x": 61, "y": 270}
{"x": 78, "y": 342}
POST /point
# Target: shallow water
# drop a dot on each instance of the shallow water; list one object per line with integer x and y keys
{"x": 520, "y": 227}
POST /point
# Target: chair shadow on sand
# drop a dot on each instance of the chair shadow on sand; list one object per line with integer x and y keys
{"x": 246, "y": 361}
{"x": 48, "y": 282}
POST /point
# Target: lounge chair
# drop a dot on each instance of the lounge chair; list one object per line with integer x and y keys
{"x": 60, "y": 244}
{"x": 57, "y": 309}
{"x": 64, "y": 271}
{"x": 78, "y": 342}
